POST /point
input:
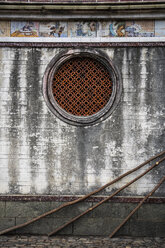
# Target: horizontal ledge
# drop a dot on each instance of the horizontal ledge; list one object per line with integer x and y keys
{"x": 80, "y": 39}
{"x": 45, "y": 198}
{"x": 82, "y": 44}
{"x": 81, "y": 16}
{"x": 82, "y": 6}
{"x": 76, "y": 42}
{"x": 81, "y": 2}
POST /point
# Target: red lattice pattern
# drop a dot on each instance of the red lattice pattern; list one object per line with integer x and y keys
{"x": 82, "y": 86}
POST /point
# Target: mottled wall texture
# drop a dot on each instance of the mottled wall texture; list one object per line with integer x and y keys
{"x": 40, "y": 154}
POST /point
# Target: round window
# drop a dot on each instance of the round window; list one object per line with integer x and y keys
{"x": 81, "y": 87}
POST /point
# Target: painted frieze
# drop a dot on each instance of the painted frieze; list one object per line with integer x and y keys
{"x": 4, "y": 29}
{"x": 111, "y": 29}
{"x": 53, "y": 29}
{"x": 139, "y": 29}
{"x": 78, "y": 29}
{"x": 160, "y": 28}
{"x": 82, "y": 29}
{"x": 24, "y": 29}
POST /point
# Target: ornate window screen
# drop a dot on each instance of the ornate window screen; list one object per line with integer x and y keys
{"x": 81, "y": 87}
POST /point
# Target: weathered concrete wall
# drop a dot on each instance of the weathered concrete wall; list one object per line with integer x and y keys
{"x": 42, "y": 155}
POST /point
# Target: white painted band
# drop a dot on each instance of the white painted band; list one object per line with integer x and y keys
{"x": 82, "y": 39}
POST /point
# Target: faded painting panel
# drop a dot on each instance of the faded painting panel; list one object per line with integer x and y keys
{"x": 82, "y": 29}
{"x": 24, "y": 29}
{"x": 111, "y": 29}
{"x": 4, "y": 29}
{"x": 160, "y": 28}
{"x": 139, "y": 29}
{"x": 53, "y": 29}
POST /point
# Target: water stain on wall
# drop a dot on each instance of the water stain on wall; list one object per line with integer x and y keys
{"x": 34, "y": 110}
{"x": 155, "y": 95}
{"x": 14, "y": 122}
{"x": 65, "y": 159}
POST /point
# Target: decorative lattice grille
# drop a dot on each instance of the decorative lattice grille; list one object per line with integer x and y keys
{"x": 82, "y": 86}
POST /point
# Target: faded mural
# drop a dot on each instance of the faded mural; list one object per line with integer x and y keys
{"x": 24, "y": 29}
{"x": 4, "y": 28}
{"x": 53, "y": 29}
{"x": 83, "y": 29}
{"x": 111, "y": 29}
{"x": 139, "y": 29}
{"x": 160, "y": 28}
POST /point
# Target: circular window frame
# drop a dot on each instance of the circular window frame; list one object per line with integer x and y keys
{"x": 58, "y": 111}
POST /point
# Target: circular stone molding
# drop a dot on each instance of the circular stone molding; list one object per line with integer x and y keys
{"x": 81, "y": 86}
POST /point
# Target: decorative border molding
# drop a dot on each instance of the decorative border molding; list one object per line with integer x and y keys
{"x": 84, "y": 1}
{"x": 82, "y": 42}
{"x": 51, "y": 198}
{"x": 87, "y": 9}
{"x": 140, "y": 16}
{"x": 47, "y": 40}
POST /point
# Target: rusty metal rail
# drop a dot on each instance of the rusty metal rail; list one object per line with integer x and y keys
{"x": 106, "y": 199}
{"x": 81, "y": 198}
{"x": 137, "y": 207}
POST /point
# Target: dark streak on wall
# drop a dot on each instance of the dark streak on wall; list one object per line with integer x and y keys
{"x": 118, "y": 129}
{"x": 68, "y": 160}
{"x": 50, "y": 152}
{"x": 156, "y": 100}
{"x": 14, "y": 121}
{"x": 82, "y": 147}
{"x": 34, "y": 109}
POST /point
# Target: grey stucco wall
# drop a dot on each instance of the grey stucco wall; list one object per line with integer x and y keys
{"x": 42, "y": 155}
